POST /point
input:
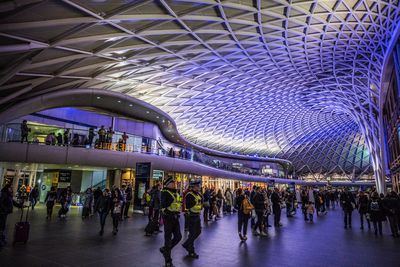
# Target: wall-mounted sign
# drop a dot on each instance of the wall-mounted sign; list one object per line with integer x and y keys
{"x": 158, "y": 174}
{"x": 142, "y": 181}
{"x": 64, "y": 176}
{"x": 143, "y": 170}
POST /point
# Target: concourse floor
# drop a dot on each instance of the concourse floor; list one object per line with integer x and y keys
{"x": 76, "y": 243}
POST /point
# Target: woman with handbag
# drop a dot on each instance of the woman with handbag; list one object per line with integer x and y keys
{"x": 116, "y": 209}
{"x": 243, "y": 213}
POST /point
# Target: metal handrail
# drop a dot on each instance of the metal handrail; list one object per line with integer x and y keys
{"x": 78, "y": 137}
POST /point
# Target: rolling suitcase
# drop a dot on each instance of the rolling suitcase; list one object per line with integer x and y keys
{"x": 85, "y": 212}
{"x": 151, "y": 228}
{"x": 21, "y": 231}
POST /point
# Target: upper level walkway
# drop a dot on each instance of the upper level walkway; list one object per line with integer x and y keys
{"x": 70, "y": 155}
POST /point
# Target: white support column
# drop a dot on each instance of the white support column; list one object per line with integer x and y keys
{"x": 117, "y": 178}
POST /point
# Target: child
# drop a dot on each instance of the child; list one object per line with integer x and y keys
{"x": 310, "y": 211}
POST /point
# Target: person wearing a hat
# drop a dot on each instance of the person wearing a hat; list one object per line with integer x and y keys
{"x": 171, "y": 205}
{"x": 194, "y": 204}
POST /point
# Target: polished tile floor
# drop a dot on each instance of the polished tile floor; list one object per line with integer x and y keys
{"x": 324, "y": 243}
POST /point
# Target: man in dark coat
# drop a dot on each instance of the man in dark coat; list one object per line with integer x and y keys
{"x": 276, "y": 207}
{"x": 348, "y": 204}
{"x": 6, "y": 207}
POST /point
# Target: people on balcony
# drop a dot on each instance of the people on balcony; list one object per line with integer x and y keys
{"x": 67, "y": 137}
{"x": 109, "y": 137}
{"x": 24, "y": 131}
{"x": 51, "y": 139}
{"x": 125, "y": 138}
{"x": 105, "y": 141}
{"x": 59, "y": 139}
{"x": 91, "y": 136}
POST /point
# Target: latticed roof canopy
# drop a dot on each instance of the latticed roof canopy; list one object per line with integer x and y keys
{"x": 298, "y": 80}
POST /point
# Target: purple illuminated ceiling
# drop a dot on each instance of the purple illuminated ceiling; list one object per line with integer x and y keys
{"x": 298, "y": 80}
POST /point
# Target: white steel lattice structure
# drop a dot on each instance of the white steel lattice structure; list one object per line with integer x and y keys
{"x": 292, "y": 79}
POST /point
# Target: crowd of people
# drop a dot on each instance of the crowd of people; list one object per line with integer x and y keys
{"x": 163, "y": 204}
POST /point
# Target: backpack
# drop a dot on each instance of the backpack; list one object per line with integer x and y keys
{"x": 247, "y": 206}
{"x": 147, "y": 197}
{"x": 374, "y": 206}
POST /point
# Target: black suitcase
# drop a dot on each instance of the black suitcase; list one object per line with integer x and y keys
{"x": 21, "y": 230}
{"x": 85, "y": 212}
{"x": 151, "y": 227}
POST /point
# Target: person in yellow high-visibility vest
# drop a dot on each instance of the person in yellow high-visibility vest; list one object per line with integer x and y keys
{"x": 171, "y": 205}
{"x": 194, "y": 205}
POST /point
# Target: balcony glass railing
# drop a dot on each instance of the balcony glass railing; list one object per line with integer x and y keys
{"x": 39, "y": 134}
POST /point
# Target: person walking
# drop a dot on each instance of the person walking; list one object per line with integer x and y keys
{"x": 116, "y": 209}
{"x": 123, "y": 194}
{"x": 96, "y": 196}
{"x": 375, "y": 209}
{"x": 33, "y": 196}
{"x": 153, "y": 225}
{"x": 24, "y": 131}
{"x": 193, "y": 205}
{"x": 391, "y": 209}
{"x": 304, "y": 203}
{"x": 242, "y": 202}
{"x": 103, "y": 207}
{"x": 206, "y": 205}
{"x": 252, "y": 194}
{"x": 171, "y": 205}
{"x": 185, "y": 212}
{"x": 259, "y": 207}
{"x": 87, "y": 204}
{"x": 62, "y": 213}
{"x": 129, "y": 196}
{"x": 220, "y": 203}
{"x": 156, "y": 204}
{"x": 310, "y": 210}
{"x": 268, "y": 209}
{"x": 228, "y": 200}
{"x": 363, "y": 209}
{"x": 50, "y": 200}
{"x": 276, "y": 207}
{"x": 348, "y": 204}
